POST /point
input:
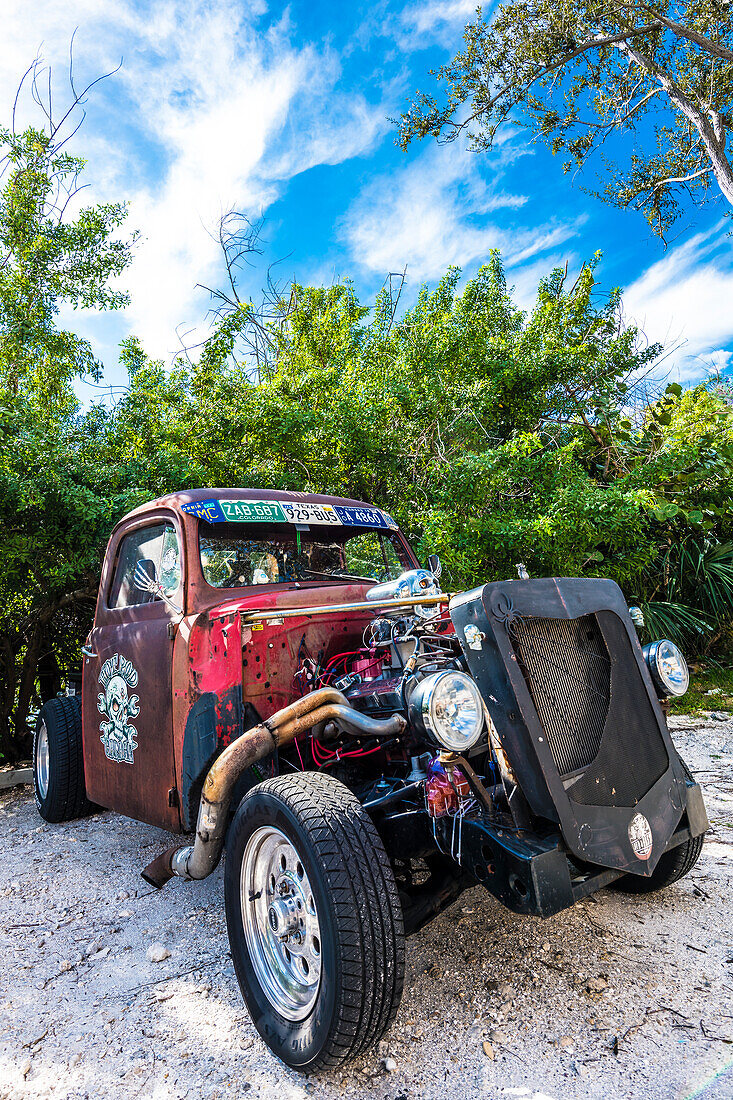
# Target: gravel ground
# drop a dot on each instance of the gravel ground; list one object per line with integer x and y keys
{"x": 619, "y": 997}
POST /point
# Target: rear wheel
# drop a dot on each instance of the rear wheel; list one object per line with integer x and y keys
{"x": 58, "y": 761}
{"x": 314, "y": 920}
{"x": 672, "y": 866}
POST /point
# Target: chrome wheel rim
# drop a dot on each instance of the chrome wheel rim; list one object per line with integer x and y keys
{"x": 280, "y": 922}
{"x": 42, "y": 760}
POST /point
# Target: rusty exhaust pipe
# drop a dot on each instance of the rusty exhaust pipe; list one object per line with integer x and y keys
{"x": 198, "y": 860}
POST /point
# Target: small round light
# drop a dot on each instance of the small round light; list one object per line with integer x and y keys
{"x": 449, "y": 705}
{"x": 668, "y": 667}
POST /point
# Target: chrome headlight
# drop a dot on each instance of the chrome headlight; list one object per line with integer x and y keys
{"x": 415, "y": 582}
{"x": 668, "y": 667}
{"x": 449, "y": 705}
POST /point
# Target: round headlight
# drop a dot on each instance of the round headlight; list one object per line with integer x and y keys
{"x": 449, "y": 705}
{"x": 668, "y": 667}
{"x": 415, "y": 582}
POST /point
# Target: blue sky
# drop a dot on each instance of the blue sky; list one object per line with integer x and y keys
{"x": 284, "y": 112}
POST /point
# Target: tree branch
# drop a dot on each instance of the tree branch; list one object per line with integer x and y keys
{"x": 701, "y": 121}
{"x": 681, "y": 179}
{"x": 691, "y": 35}
{"x": 590, "y": 428}
{"x": 584, "y": 47}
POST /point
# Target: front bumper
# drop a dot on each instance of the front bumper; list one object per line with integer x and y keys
{"x": 536, "y": 875}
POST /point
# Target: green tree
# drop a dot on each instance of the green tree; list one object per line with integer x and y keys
{"x": 654, "y": 77}
{"x": 493, "y": 435}
{"x": 54, "y": 252}
{"x": 47, "y": 259}
{"x": 489, "y": 434}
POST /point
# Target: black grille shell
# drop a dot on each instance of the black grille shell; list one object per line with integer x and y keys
{"x": 621, "y": 760}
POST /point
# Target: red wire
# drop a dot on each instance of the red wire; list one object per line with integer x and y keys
{"x": 322, "y": 756}
{"x": 362, "y": 752}
{"x": 346, "y": 653}
{"x": 345, "y": 755}
{"x": 328, "y": 671}
{"x": 302, "y": 765}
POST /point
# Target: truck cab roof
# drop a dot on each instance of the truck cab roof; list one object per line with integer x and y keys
{"x": 177, "y": 501}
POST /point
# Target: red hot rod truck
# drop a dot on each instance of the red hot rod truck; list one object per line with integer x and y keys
{"x": 275, "y": 674}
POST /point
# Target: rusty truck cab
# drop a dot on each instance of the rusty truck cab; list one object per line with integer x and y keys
{"x": 170, "y": 675}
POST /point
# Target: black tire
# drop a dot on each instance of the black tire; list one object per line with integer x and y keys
{"x": 673, "y": 865}
{"x": 64, "y": 796}
{"x": 362, "y": 946}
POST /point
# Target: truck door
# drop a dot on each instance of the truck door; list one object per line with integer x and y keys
{"x": 127, "y": 689}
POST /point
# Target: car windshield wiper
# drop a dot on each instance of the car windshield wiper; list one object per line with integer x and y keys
{"x": 339, "y": 576}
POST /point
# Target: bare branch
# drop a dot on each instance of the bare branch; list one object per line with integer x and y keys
{"x": 80, "y": 98}
{"x": 701, "y": 121}
{"x": 681, "y": 179}
{"x": 71, "y": 62}
{"x": 402, "y": 275}
{"x": 20, "y": 88}
{"x": 59, "y": 145}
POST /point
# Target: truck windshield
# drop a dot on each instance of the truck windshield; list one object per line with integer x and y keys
{"x": 237, "y": 555}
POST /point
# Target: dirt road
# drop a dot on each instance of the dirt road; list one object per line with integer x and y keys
{"x": 620, "y": 997}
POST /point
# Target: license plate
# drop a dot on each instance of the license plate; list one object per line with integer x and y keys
{"x": 303, "y": 512}
{"x": 253, "y": 511}
{"x": 209, "y": 510}
{"x": 361, "y": 517}
{"x": 288, "y": 511}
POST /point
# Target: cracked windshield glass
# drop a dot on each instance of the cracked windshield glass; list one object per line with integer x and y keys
{"x": 243, "y": 555}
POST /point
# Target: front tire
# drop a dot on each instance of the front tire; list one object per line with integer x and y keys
{"x": 314, "y": 920}
{"x": 673, "y": 865}
{"x": 58, "y": 761}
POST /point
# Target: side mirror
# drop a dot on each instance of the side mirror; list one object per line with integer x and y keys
{"x": 434, "y": 565}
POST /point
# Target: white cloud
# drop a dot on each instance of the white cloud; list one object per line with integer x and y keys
{"x": 720, "y": 360}
{"x": 424, "y": 17}
{"x": 420, "y": 25}
{"x": 49, "y": 31}
{"x": 437, "y": 211}
{"x": 684, "y": 301}
{"x": 211, "y": 109}
{"x": 213, "y": 104}
{"x": 324, "y": 128}
{"x": 222, "y": 92}
{"x": 438, "y": 21}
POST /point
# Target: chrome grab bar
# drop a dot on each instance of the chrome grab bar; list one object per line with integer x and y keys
{"x": 373, "y": 606}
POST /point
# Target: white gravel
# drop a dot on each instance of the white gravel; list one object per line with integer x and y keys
{"x": 620, "y": 997}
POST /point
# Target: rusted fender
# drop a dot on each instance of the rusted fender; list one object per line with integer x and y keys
{"x": 199, "y": 860}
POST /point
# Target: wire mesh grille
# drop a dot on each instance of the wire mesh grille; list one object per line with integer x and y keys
{"x": 568, "y": 670}
{"x": 593, "y": 705}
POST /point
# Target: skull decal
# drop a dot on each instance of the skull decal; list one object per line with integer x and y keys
{"x": 116, "y": 703}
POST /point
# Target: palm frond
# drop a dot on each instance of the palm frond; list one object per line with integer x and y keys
{"x": 717, "y": 587}
{"x": 704, "y": 575}
{"x": 677, "y": 621}
{"x": 699, "y": 589}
